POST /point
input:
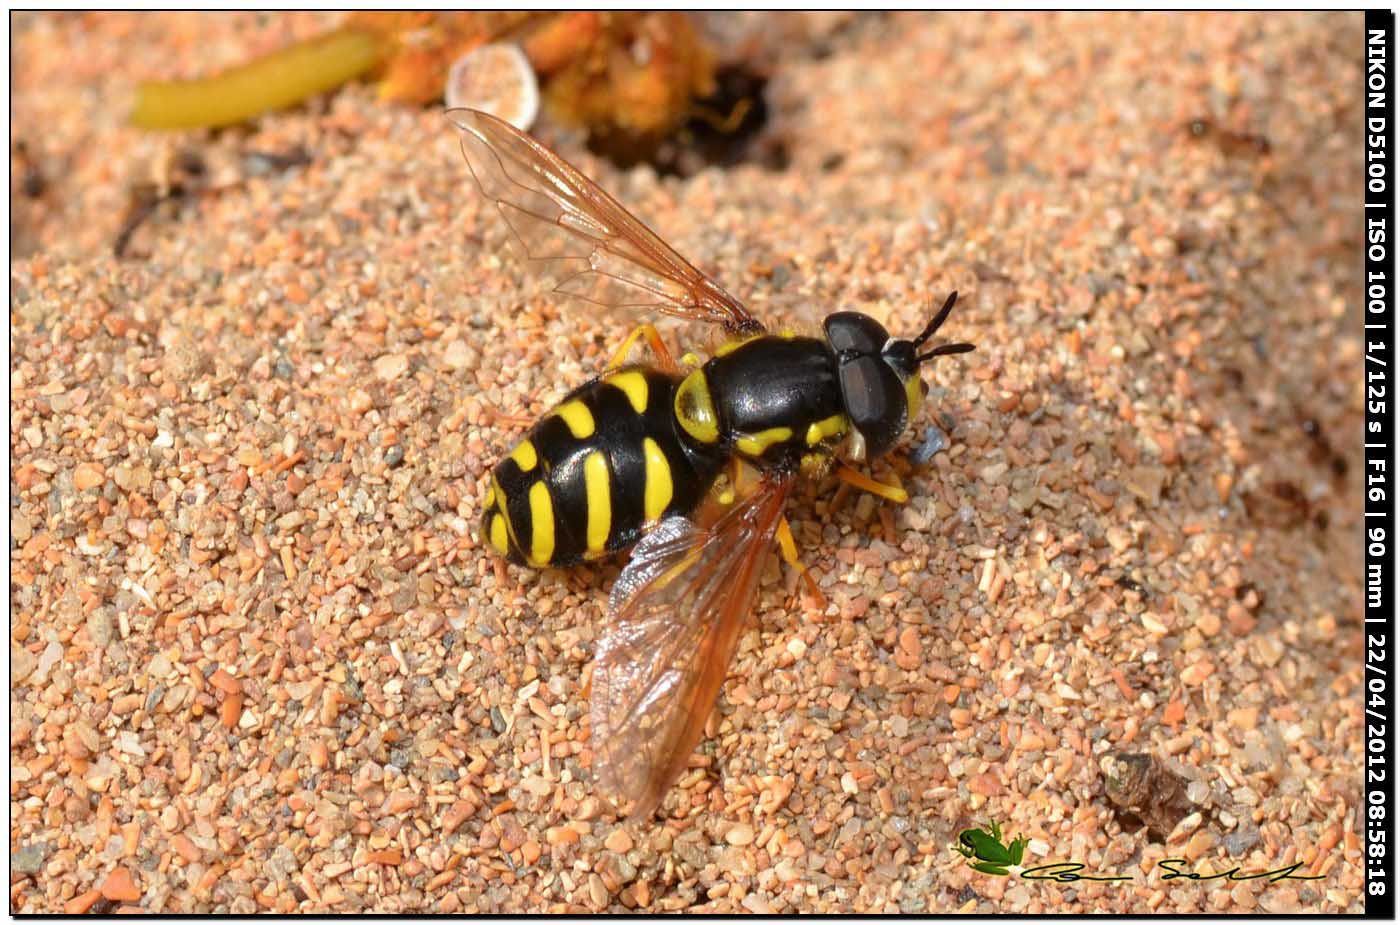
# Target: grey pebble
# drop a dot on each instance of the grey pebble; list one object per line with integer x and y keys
{"x": 934, "y": 440}
{"x": 29, "y": 859}
{"x": 1237, "y": 843}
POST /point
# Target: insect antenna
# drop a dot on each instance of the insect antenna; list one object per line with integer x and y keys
{"x": 932, "y": 328}
{"x": 938, "y": 319}
{"x": 944, "y": 350}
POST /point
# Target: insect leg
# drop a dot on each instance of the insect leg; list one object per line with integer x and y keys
{"x": 788, "y": 547}
{"x": 658, "y": 347}
{"x": 497, "y": 416}
{"x": 864, "y": 482}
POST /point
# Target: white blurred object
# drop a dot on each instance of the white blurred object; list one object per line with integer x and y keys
{"x": 496, "y": 79}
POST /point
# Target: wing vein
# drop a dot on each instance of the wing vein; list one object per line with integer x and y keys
{"x": 520, "y": 176}
{"x": 676, "y": 616}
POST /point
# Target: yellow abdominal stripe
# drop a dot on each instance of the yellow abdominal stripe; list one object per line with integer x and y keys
{"x": 658, "y": 480}
{"x": 595, "y": 482}
{"x": 498, "y": 534}
{"x": 524, "y": 455}
{"x": 634, "y": 385}
{"x": 499, "y": 494}
{"x": 541, "y": 525}
{"x": 578, "y": 418}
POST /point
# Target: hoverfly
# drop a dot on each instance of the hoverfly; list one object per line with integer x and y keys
{"x": 632, "y": 459}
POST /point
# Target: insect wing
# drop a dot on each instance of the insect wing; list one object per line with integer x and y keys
{"x": 675, "y": 617}
{"x": 563, "y": 219}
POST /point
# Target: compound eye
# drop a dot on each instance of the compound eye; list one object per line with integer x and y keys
{"x": 862, "y": 385}
{"x": 852, "y": 332}
{"x": 875, "y": 401}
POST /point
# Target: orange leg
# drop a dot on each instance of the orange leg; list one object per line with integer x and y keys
{"x": 741, "y": 477}
{"x": 788, "y": 547}
{"x": 653, "y": 339}
{"x": 865, "y": 483}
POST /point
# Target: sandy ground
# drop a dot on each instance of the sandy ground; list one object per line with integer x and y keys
{"x": 259, "y": 662}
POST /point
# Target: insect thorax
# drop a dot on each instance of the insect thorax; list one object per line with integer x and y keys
{"x": 772, "y": 400}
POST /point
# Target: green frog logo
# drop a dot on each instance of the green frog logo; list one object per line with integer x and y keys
{"x": 986, "y": 853}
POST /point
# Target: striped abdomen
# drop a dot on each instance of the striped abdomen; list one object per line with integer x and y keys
{"x": 592, "y": 472}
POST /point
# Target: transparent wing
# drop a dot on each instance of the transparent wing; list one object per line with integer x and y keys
{"x": 564, "y": 222}
{"x": 674, "y": 621}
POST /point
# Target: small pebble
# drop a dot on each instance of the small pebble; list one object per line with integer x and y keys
{"x": 1238, "y": 843}
{"x": 457, "y": 354}
{"x": 391, "y": 367}
{"x": 119, "y": 886}
{"x": 561, "y": 835}
{"x": 80, "y": 904}
{"x": 88, "y": 475}
{"x": 29, "y": 859}
{"x": 740, "y": 834}
{"x": 597, "y": 891}
{"x": 618, "y": 841}
{"x": 933, "y": 441}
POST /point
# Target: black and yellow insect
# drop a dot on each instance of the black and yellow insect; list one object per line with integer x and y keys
{"x": 630, "y": 459}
